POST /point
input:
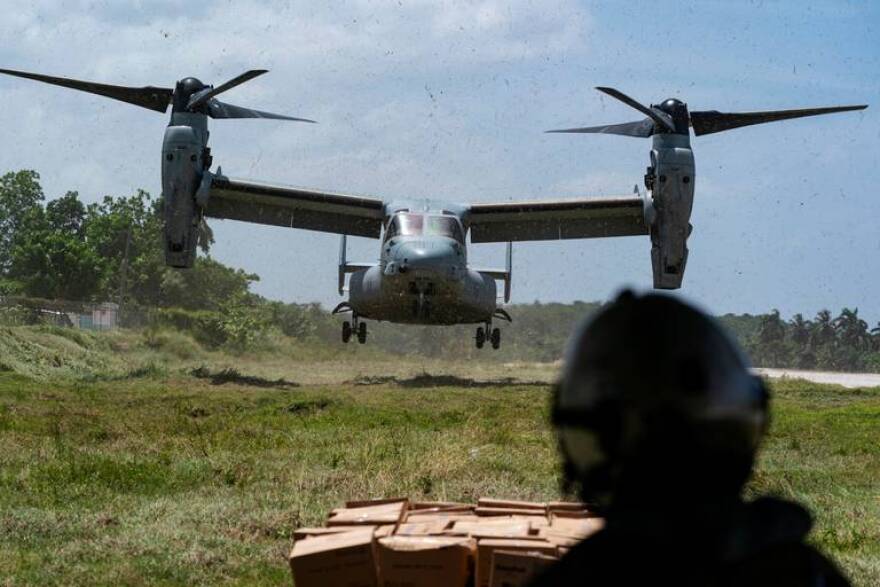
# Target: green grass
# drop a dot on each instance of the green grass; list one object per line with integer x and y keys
{"x": 152, "y": 475}
{"x": 824, "y": 451}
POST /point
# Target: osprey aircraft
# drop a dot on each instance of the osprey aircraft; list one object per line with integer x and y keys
{"x": 423, "y": 275}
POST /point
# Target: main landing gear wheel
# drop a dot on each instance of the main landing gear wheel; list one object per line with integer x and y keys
{"x": 362, "y": 332}
{"x": 346, "y": 331}
{"x": 496, "y": 339}
{"x": 480, "y": 338}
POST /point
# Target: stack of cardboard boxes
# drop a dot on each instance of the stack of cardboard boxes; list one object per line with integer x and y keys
{"x": 395, "y": 542}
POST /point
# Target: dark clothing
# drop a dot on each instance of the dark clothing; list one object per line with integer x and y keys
{"x": 759, "y": 543}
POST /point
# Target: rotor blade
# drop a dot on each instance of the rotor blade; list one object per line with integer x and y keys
{"x": 660, "y": 118}
{"x": 203, "y": 97}
{"x": 147, "y": 97}
{"x": 709, "y": 121}
{"x": 641, "y": 128}
{"x": 218, "y": 109}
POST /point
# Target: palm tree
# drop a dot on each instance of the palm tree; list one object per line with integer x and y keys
{"x": 801, "y": 331}
{"x": 852, "y": 340}
{"x": 875, "y": 338}
{"x": 823, "y": 329}
{"x": 771, "y": 339}
{"x": 852, "y": 331}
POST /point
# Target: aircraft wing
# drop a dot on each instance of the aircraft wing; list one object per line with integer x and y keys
{"x": 558, "y": 219}
{"x": 290, "y": 207}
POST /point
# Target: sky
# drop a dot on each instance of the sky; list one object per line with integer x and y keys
{"x": 449, "y": 100}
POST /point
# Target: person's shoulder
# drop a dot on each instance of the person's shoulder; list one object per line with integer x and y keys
{"x": 569, "y": 569}
{"x": 793, "y": 563}
{"x": 602, "y": 559}
{"x": 775, "y": 547}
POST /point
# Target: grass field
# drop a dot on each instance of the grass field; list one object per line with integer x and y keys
{"x": 133, "y": 468}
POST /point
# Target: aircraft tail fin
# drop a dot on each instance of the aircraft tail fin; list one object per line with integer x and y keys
{"x": 345, "y": 266}
{"x": 503, "y": 274}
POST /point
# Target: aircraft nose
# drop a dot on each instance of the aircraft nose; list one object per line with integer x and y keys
{"x": 428, "y": 256}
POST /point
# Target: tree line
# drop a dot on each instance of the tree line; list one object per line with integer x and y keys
{"x": 111, "y": 250}
{"x": 105, "y": 251}
{"x": 844, "y": 342}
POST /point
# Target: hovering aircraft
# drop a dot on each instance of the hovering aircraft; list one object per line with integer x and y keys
{"x": 423, "y": 275}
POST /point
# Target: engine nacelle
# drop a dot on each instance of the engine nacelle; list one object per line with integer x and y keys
{"x": 671, "y": 181}
{"x": 185, "y": 159}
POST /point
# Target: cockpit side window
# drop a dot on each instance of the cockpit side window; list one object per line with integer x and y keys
{"x": 393, "y": 228}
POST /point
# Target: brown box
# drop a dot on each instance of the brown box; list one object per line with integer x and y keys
{"x": 560, "y": 540}
{"x": 384, "y": 530}
{"x": 425, "y": 528}
{"x": 346, "y": 559}
{"x": 515, "y": 569}
{"x": 487, "y": 502}
{"x": 388, "y": 513}
{"x": 494, "y": 512}
{"x": 303, "y": 533}
{"x": 434, "y": 516}
{"x": 440, "y": 505}
{"x": 487, "y": 546}
{"x": 425, "y": 561}
{"x": 576, "y": 528}
{"x": 371, "y": 502}
{"x": 493, "y": 527}
{"x": 555, "y": 506}
{"x": 573, "y": 514}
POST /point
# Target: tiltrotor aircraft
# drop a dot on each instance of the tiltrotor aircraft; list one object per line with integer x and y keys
{"x": 423, "y": 276}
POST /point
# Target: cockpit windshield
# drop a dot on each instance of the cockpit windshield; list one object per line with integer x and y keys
{"x": 409, "y": 224}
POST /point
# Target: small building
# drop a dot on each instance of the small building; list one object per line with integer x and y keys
{"x": 103, "y": 316}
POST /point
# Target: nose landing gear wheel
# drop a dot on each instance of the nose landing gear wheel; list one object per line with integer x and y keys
{"x": 362, "y": 332}
{"x": 496, "y": 339}
{"x": 480, "y": 338}
{"x": 346, "y": 331}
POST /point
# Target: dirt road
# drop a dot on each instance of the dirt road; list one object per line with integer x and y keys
{"x": 844, "y": 379}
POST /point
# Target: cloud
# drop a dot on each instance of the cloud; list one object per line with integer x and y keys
{"x": 155, "y": 37}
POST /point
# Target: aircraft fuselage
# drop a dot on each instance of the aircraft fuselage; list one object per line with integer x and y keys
{"x": 423, "y": 275}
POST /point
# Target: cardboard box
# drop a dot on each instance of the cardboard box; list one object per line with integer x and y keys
{"x": 573, "y": 514}
{"x": 435, "y": 516}
{"x": 560, "y": 540}
{"x": 383, "y": 531}
{"x": 487, "y": 502}
{"x": 389, "y": 513}
{"x": 450, "y": 509}
{"x": 495, "y": 512}
{"x": 425, "y": 561}
{"x": 493, "y": 527}
{"x": 303, "y": 533}
{"x": 555, "y": 506}
{"x": 576, "y": 528}
{"x": 346, "y": 559}
{"x": 440, "y": 505}
{"x": 488, "y": 546}
{"x": 515, "y": 569}
{"x": 371, "y": 502}
{"x": 426, "y": 528}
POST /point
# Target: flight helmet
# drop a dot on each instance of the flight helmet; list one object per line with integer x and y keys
{"x": 657, "y": 405}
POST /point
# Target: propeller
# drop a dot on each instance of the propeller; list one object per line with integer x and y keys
{"x": 672, "y": 116}
{"x": 189, "y": 95}
{"x": 709, "y": 121}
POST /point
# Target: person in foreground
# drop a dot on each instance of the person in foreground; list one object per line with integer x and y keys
{"x": 659, "y": 420}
